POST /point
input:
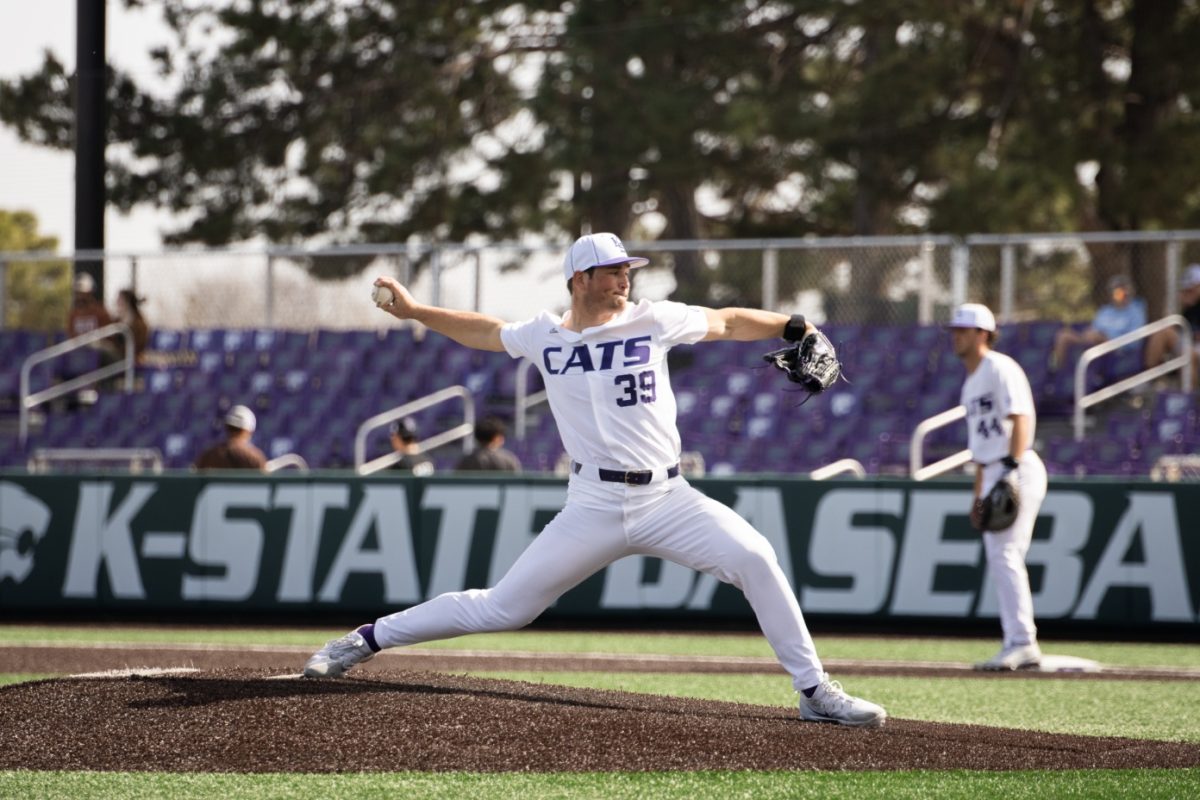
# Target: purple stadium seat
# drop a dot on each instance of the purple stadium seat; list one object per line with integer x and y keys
{"x": 1064, "y": 456}
{"x": 1111, "y": 457}
{"x": 167, "y": 340}
{"x": 1129, "y": 426}
{"x": 237, "y": 339}
{"x": 315, "y": 388}
{"x": 207, "y": 340}
{"x": 1175, "y": 405}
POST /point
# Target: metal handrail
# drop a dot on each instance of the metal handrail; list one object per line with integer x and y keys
{"x": 286, "y": 460}
{"x": 838, "y": 467}
{"x": 29, "y": 400}
{"x": 523, "y": 401}
{"x": 920, "y": 472}
{"x": 44, "y": 456}
{"x": 1182, "y": 362}
{"x": 463, "y": 431}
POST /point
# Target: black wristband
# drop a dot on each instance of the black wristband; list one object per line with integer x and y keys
{"x": 793, "y": 331}
{"x": 1009, "y": 462}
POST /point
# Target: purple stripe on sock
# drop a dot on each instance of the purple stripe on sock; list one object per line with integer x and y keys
{"x": 368, "y": 632}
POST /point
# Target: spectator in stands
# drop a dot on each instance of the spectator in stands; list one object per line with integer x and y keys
{"x": 112, "y": 349}
{"x": 489, "y": 454}
{"x": 1121, "y": 315}
{"x": 236, "y": 452}
{"x": 1165, "y": 343}
{"x": 129, "y": 311}
{"x": 87, "y": 313}
{"x": 404, "y": 440}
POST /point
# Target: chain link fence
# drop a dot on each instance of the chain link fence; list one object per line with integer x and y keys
{"x": 887, "y": 281}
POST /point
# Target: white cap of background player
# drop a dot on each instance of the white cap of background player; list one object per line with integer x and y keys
{"x": 973, "y": 315}
{"x": 598, "y": 250}
{"x": 241, "y": 418}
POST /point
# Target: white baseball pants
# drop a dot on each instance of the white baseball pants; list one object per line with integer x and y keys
{"x": 1006, "y": 550}
{"x": 601, "y": 523}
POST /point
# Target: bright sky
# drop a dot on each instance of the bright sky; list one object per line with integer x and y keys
{"x": 40, "y": 179}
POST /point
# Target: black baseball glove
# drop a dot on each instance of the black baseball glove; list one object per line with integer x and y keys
{"x": 811, "y": 362}
{"x": 997, "y": 509}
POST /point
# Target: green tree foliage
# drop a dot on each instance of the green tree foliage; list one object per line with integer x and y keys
{"x": 325, "y": 121}
{"x": 37, "y": 294}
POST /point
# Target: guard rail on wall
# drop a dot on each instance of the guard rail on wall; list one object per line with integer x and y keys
{"x": 523, "y": 400}
{"x": 1182, "y": 362}
{"x": 916, "y": 453}
{"x": 837, "y": 468}
{"x": 463, "y": 431}
{"x": 30, "y": 400}
{"x": 286, "y": 460}
{"x": 134, "y": 457}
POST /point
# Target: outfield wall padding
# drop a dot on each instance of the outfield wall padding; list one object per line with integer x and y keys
{"x": 1104, "y": 552}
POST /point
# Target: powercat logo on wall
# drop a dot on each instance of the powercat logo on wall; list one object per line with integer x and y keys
{"x": 22, "y": 526}
{"x": 886, "y": 549}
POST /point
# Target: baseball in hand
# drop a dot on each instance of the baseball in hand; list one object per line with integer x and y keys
{"x": 382, "y": 295}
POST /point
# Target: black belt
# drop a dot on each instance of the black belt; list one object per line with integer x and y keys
{"x": 636, "y": 477}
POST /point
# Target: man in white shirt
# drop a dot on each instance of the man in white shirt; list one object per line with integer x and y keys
{"x": 1000, "y": 428}
{"x": 604, "y": 365}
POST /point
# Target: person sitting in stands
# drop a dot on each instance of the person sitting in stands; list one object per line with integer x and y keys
{"x": 87, "y": 313}
{"x": 489, "y": 454}
{"x": 1165, "y": 343}
{"x": 404, "y": 440}
{"x": 1120, "y": 316}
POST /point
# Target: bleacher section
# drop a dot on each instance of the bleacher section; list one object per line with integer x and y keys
{"x": 312, "y": 390}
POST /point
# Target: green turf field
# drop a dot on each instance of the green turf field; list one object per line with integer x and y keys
{"x": 1141, "y": 709}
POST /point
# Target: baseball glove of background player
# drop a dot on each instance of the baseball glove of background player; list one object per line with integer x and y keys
{"x": 812, "y": 362}
{"x": 997, "y": 509}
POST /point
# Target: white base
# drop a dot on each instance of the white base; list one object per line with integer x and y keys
{"x": 1068, "y": 664}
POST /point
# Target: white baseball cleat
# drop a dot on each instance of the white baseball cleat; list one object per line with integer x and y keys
{"x": 830, "y": 703}
{"x": 337, "y": 656}
{"x": 1016, "y": 656}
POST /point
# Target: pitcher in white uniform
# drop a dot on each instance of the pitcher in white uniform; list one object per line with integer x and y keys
{"x": 604, "y": 364}
{"x": 1001, "y": 422}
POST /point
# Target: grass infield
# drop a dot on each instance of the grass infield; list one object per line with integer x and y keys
{"x": 870, "y": 648}
{"x": 1133, "y": 784}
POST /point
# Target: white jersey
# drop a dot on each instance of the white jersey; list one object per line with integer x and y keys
{"x": 996, "y": 389}
{"x": 608, "y": 386}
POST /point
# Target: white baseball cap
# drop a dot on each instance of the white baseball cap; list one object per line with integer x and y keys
{"x": 241, "y": 418}
{"x": 973, "y": 315}
{"x": 84, "y": 282}
{"x": 598, "y": 250}
{"x": 1191, "y": 277}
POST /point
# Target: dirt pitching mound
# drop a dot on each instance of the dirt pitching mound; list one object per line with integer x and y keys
{"x": 253, "y": 720}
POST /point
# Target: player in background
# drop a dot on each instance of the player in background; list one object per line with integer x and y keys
{"x": 605, "y": 371}
{"x": 236, "y": 451}
{"x": 1000, "y": 428}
